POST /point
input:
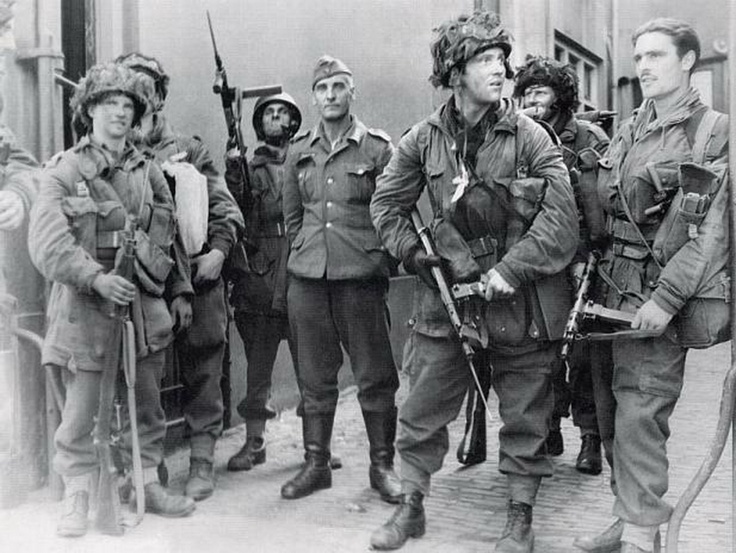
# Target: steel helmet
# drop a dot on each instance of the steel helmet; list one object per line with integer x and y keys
{"x": 458, "y": 40}
{"x": 284, "y": 98}
{"x": 152, "y": 67}
{"x": 102, "y": 79}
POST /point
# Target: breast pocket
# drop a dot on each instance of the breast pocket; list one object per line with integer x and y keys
{"x": 305, "y": 175}
{"x": 81, "y": 212}
{"x": 361, "y": 182}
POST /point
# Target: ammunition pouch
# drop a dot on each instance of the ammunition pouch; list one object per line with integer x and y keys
{"x": 152, "y": 262}
{"x": 705, "y": 320}
{"x": 680, "y": 224}
{"x": 652, "y": 185}
{"x": 455, "y": 251}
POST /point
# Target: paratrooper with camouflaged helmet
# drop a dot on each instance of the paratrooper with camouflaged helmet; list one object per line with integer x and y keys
{"x": 87, "y": 196}
{"x": 497, "y": 179}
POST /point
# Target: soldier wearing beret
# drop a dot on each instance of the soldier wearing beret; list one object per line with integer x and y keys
{"x": 87, "y": 196}
{"x": 339, "y": 280}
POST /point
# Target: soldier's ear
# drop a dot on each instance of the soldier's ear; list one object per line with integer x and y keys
{"x": 688, "y": 60}
{"x": 454, "y": 79}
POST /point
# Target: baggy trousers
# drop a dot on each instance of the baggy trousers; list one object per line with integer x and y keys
{"x": 647, "y": 381}
{"x": 75, "y": 451}
{"x": 439, "y": 378}
{"x": 261, "y": 335}
{"x": 327, "y": 313}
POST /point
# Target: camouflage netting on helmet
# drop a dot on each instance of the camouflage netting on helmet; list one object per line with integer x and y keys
{"x": 560, "y": 77}
{"x": 152, "y": 67}
{"x": 108, "y": 78}
{"x": 458, "y": 40}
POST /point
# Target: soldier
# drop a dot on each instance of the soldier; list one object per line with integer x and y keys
{"x": 259, "y": 286}
{"x": 550, "y": 89}
{"x": 339, "y": 280}
{"x": 494, "y": 177}
{"x": 86, "y": 194}
{"x": 665, "y": 186}
{"x": 200, "y": 350}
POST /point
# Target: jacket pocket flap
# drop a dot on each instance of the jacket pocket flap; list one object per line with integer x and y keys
{"x": 75, "y": 206}
{"x": 360, "y": 169}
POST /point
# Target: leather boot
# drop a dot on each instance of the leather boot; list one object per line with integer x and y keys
{"x": 201, "y": 482}
{"x": 73, "y": 521}
{"x": 160, "y": 502}
{"x": 251, "y": 454}
{"x": 381, "y": 430}
{"x": 316, "y": 473}
{"x": 608, "y": 541}
{"x": 408, "y": 521}
{"x": 518, "y": 536}
{"x": 589, "y": 459}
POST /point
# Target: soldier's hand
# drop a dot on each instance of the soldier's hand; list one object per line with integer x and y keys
{"x": 114, "y": 288}
{"x": 181, "y": 313}
{"x": 12, "y": 211}
{"x": 209, "y": 266}
{"x": 497, "y": 287}
{"x": 420, "y": 263}
{"x": 651, "y": 317}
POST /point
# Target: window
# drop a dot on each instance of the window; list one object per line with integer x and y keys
{"x": 586, "y": 64}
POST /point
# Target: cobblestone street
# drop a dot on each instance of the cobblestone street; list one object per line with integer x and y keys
{"x": 466, "y": 511}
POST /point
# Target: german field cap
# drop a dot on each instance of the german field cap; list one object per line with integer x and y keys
{"x": 327, "y": 66}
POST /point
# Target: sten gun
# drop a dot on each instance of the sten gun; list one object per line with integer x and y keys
{"x": 576, "y": 316}
{"x": 473, "y": 445}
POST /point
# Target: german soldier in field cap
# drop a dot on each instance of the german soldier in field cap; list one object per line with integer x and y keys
{"x": 86, "y": 197}
{"x": 497, "y": 178}
{"x": 339, "y": 280}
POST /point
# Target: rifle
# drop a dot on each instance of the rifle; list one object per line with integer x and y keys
{"x": 477, "y": 404}
{"x": 231, "y": 99}
{"x": 109, "y": 517}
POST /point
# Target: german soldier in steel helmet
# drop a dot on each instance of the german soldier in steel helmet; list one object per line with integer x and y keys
{"x": 259, "y": 287}
{"x": 496, "y": 176}
{"x": 86, "y": 196}
{"x": 549, "y": 90}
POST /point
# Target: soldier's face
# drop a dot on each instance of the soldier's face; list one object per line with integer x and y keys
{"x": 483, "y": 77}
{"x": 112, "y": 117}
{"x": 541, "y": 98}
{"x": 661, "y": 71}
{"x": 333, "y": 97}
{"x": 276, "y": 120}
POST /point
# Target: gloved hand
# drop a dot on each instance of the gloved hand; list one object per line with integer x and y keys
{"x": 420, "y": 263}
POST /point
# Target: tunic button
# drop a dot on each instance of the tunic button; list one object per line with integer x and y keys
{"x": 328, "y": 225}
{"x": 330, "y": 180}
{"x": 329, "y": 204}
